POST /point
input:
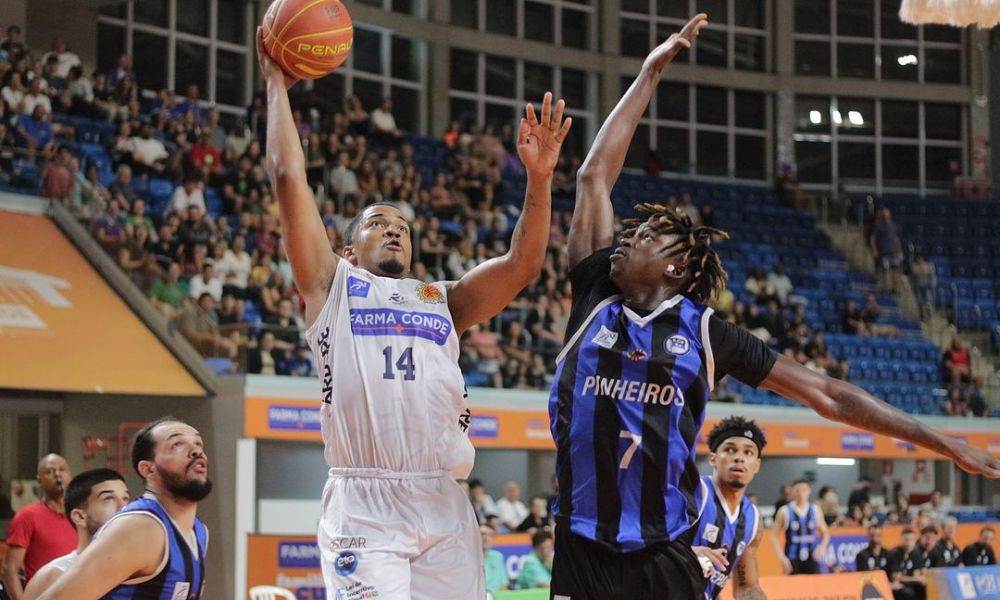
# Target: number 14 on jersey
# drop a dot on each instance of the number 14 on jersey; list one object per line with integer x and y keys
{"x": 403, "y": 364}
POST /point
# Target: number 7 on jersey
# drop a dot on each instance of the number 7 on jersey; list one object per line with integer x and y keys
{"x": 630, "y": 452}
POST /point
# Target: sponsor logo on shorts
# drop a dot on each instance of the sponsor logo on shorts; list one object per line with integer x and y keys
{"x": 358, "y": 287}
{"x": 677, "y": 345}
{"x": 387, "y": 321}
{"x": 293, "y": 418}
{"x": 857, "y": 441}
{"x": 298, "y": 555}
{"x": 346, "y": 563}
{"x": 484, "y": 426}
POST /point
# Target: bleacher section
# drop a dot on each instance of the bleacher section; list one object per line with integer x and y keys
{"x": 959, "y": 238}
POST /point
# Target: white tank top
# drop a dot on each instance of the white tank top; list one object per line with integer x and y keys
{"x": 393, "y": 396}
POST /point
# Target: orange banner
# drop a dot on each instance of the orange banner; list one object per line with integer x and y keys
{"x": 298, "y": 419}
{"x": 843, "y": 586}
{"x": 62, "y": 328}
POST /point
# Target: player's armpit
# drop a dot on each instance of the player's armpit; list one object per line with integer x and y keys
{"x": 129, "y": 547}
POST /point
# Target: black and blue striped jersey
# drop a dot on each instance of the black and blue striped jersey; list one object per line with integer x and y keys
{"x": 718, "y": 528}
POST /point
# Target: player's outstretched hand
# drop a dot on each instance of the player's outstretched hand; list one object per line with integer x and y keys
{"x": 976, "y": 460}
{"x": 538, "y": 142}
{"x": 664, "y": 54}
{"x": 717, "y": 556}
{"x": 268, "y": 68}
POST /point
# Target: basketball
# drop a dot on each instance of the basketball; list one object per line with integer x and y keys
{"x": 308, "y": 38}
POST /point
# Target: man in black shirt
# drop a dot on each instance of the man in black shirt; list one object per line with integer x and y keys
{"x": 911, "y": 564}
{"x": 928, "y": 541}
{"x": 980, "y": 552}
{"x": 946, "y": 552}
{"x": 876, "y": 557}
{"x": 860, "y": 494}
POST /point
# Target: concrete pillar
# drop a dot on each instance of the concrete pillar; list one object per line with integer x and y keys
{"x": 784, "y": 66}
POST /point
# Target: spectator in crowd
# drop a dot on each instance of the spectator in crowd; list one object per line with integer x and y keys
{"x": 13, "y": 46}
{"x": 778, "y": 281}
{"x": 861, "y": 494}
{"x": 493, "y": 563}
{"x": 911, "y": 564}
{"x": 39, "y": 532}
{"x": 265, "y": 359}
{"x": 536, "y": 569}
{"x": 538, "y": 517}
{"x": 235, "y": 267}
{"x": 906, "y": 512}
{"x": 510, "y": 508}
{"x": 852, "y": 320}
{"x": 980, "y": 552}
{"x": 481, "y": 501}
{"x": 13, "y": 93}
{"x": 298, "y": 362}
{"x": 109, "y": 229}
{"x": 887, "y": 248}
{"x": 206, "y": 282}
{"x": 876, "y": 557}
{"x": 928, "y": 542}
{"x": 137, "y": 259}
{"x": 148, "y": 154}
{"x": 284, "y": 325}
{"x": 829, "y": 503}
{"x": 784, "y": 497}
{"x": 957, "y": 362}
{"x": 169, "y": 292}
{"x": 122, "y": 185}
{"x": 787, "y": 187}
{"x": 383, "y": 124}
{"x": 137, "y": 216}
{"x": 58, "y": 178}
{"x": 65, "y": 58}
{"x": 946, "y": 552}
{"x": 121, "y": 70}
{"x": 924, "y": 279}
{"x": 35, "y": 133}
{"x": 200, "y": 325}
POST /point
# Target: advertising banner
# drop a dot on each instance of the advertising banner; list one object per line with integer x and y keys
{"x": 843, "y": 586}
{"x": 965, "y": 583}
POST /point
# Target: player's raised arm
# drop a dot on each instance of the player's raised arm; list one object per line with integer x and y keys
{"x": 129, "y": 547}
{"x": 313, "y": 260}
{"x": 488, "y": 288}
{"x": 593, "y": 217}
{"x": 841, "y": 401}
{"x": 746, "y": 579}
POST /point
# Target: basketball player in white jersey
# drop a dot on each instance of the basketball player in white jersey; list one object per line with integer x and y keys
{"x": 395, "y": 525}
{"x": 92, "y": 497}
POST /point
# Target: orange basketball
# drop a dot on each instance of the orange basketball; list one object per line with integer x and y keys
{"x": 308, "y": 38}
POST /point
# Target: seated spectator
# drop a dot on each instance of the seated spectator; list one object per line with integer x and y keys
{"x": 191, "y": 104}
{"x": 235, "y": 267}
{"x": 935, "y": 507}
{"x": 65, "y": 58}
{"x": 36, "y": 96}
{"x": 758, "y": 285}
{"x": 200, "y": 325}
{"x": 774, "y": 320}
{"x": 264, "y": 359}
{"x": 109, "y": 229}
{"x": 205, "y": 158}
{"x": 137, "y": 259}
{"x": 148, "y": 155}
{"x": 516, "y": 343}
{"x": 451, "y": 136}
{"x": 538, "y": 517}
{"x": 121, "y": 70}
{"x": 230, "y": 314}
{"x": 195, "y": 229}
{"x": 36, "y": 133}
{"x": 93, "y": 195}
{"x": 957, "y": 362}
{"x": 780, "y": 283}
{"x": 13, "y": 46}
{"x": 284, "y": 325}
{"x": 871, "y": 312}
{"x": 852, "y": 320}
{"x": 138, "y": 217}
{"x": 299, "y": 362}
{"x": 383, "y": 124}
{"x": 493, "y": 563}
{"x": 122, "y": 185}
{"x": 170, "y": 291}
{"x": 13, "y": 93}
{"x": 54, "y": 82}
{"x": 58, "y": 180}
{"x": 206, "y": 282}
{"x": 830, "y": 505}
{"x": 536, "y": 569}
{"x": 482, "y": 503}
{"x": 510, "y": 509}
{"x": 357, "y": 118}
{"x": 190, "y": 193}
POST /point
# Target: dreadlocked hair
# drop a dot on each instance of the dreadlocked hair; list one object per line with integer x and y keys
{"x": 708, "y": 277}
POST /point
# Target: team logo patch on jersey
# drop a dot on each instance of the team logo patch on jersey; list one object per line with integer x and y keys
{"x": 397, "y": 298}
{"x": 391, "y": 322}
{"x": 605, "y": 338}
{"x": 181, "y": 590}
{"x": 346, "y": 563}
{"x": 740, "y": 548}
{"x": 711, "y": 533}
{"x": 636, "y": 354}
{"x": 358, "y": 287}
{"x": 429, "y": 293}
{"x": 677, "y": 345}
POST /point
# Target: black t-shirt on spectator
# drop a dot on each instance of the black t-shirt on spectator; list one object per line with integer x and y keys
{"x": 976, "y": 554}
{"x": 735, "y": 350}
{"x": 945, "y": 554}
{"x": 885, "y": 559}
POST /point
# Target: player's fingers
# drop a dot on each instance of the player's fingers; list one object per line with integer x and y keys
{"x": 530, "y": 112}
{"x": 718, "y": 559}
{"x": 522, "y": 132}
{"x": 546, "y": 108}
{"x": 564, "y": 130}
{"x": 557, "y": 117}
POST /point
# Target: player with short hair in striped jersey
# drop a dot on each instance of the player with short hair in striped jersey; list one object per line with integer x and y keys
{"x": 642, "y": 354}
{"x": 729, "y": 531}
{"x": 806, "y": 533}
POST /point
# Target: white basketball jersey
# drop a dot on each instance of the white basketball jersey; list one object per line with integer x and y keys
{"x": 394, "y": 398}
